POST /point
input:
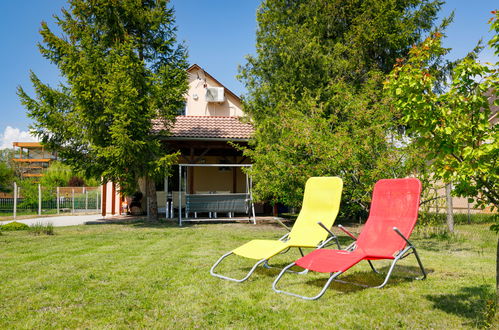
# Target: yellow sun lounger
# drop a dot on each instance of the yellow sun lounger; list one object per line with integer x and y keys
{"x": 321, "y": 203}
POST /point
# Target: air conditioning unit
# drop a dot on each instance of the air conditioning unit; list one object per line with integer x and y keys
{"x": 215, "y": 94}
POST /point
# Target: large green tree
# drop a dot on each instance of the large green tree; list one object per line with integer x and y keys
{"x": 122, "y": 68}
{"x": 315, "y": 93}
{"x": 7, "y": 173}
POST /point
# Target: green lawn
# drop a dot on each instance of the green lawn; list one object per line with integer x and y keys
{"x": 120, "y": 276}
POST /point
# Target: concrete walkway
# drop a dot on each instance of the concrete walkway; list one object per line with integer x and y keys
{"x": 60, "y": 221}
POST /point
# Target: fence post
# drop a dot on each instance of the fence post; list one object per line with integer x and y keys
{"x": 58, "y": 199}
{"x": 73, "y": 201}
{"x": 39, "y": 199}
{"x": 86, "y": 199}
{"x": 15, "y": 200}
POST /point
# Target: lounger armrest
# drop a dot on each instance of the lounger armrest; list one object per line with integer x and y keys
{"x": 333, "y": 236}
{"x": 402, "y": 235}
{"x": 326, "y": 229}
{"x": 347, "y": 232}
{"x": 282, "y": 224}
{"x": 284, "y": 238}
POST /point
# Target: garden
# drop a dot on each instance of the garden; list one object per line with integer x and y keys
{"x": 362, "y": 90}
{"x": 144, "y": 275}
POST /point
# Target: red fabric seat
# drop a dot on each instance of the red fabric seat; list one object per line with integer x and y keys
{"x": 395, "y": 203}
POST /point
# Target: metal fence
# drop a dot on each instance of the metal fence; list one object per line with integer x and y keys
{"x": 38, "y": 200}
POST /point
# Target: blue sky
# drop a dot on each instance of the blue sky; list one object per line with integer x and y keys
{"x": 218, "y": 34}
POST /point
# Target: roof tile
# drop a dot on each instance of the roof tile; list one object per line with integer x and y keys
{"x": 207, "y": 127}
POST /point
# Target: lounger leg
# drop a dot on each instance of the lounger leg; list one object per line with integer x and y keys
{"x": 320, "y": 294}
{"x": 401, "y": 256}
{"x": 372, "y": 267}
{"x": 212, "y": 270}
{"x": 423, "y": 271}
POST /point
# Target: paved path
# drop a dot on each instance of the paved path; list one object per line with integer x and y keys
{"x": 60, "y": 221}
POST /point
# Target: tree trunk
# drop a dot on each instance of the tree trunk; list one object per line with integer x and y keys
{"x": 497, "y": 278}
{"x": 450, "y": 215}
{"x": 151, "y": 200}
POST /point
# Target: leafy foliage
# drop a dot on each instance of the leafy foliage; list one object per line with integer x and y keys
{"x": 14, "y": 225}
{"x": 453, "y": 125}
{"x": 315, "y": 94}
{"x": 122, "y": 68}
{"x": 6, "y": 177}
{"x": 76, "y": 182}
{"x": 40, "y": 228}
{"x": 57, "y": 175}
{"x": 7, "y": 172}
{"x": 28, "y": 189}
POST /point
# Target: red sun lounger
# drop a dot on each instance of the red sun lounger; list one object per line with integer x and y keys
{"x": 393, "y": 214}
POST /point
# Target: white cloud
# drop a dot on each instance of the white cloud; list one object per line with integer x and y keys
{"x": 12, "y": 134}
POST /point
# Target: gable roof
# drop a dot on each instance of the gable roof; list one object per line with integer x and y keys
{"x": 195, "y": 67}
{"x": 206, "y": 128}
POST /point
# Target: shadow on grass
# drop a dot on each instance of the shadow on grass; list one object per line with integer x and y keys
{"x": 475, "y": 303}
{"x": 141, "y": 221}
{"x": 138, "y": 222}
{"x": 362, "y": 279}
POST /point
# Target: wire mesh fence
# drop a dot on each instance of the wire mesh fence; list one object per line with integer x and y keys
{"x": 34, "y": 199}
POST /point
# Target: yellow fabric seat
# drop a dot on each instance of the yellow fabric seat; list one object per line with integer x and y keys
{"x": 260, "y": 249}
{"x": 321, "y": 203}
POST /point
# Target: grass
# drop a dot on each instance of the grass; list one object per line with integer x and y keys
{"x": 40, "y": 228}
{"x": 139, "y": 276}
{"x": 7, "y": 215}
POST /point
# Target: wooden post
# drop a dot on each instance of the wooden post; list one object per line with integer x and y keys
{"x": 450, "y": 209}
{"x": 113, "y": 199}
{"x": 191, "y": 173}
{"x": 469, "y": 215}
{"x": 166, "y": 197}
{"x": 104, "y": 199}
{"x": 234, "y": 176}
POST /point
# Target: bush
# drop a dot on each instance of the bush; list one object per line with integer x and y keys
{"x": 40, "y": 228}
{"x": 12, "y": 226}
{"x": 76, "y": 182}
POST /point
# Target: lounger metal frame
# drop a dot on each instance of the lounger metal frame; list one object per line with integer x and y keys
{"x": 408, "y": 250}
{"x": 265, "y": 261}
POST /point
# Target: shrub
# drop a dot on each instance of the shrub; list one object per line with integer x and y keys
{"x": 40, "y": 228}
{"x": 11, "y": 226}
{"x": 76, "y": 182}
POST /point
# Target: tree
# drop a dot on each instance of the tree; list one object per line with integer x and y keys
{"x": 6, "y": 177}
{"x": 453, "y": 124}
{"x": 57, "y": 175}
{"x": 7, "y": 172}
{"x": 28, "y": 189}
{"x": 315, "y": 93}
{"x": 122, "y": 68}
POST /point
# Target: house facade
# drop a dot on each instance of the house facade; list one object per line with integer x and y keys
{"x": 205, "y": 133}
